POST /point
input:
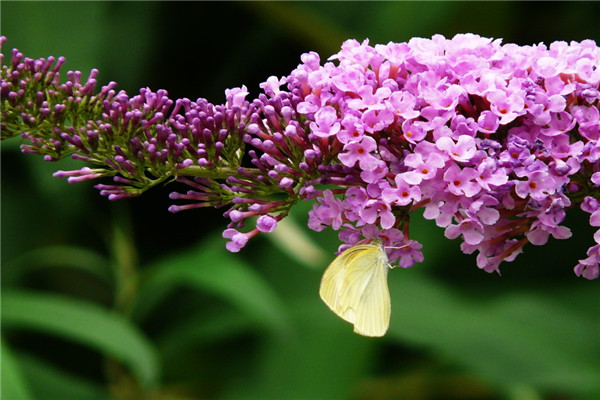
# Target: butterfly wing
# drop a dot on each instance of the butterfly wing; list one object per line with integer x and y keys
{"x": 354, "y": 286}
{"x": 334, "y": 283}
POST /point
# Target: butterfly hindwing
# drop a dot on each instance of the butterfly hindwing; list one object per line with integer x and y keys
{"x": 374, "y": 308}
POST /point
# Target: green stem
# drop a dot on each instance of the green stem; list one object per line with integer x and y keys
{"x": 121, "y": 384}
{"x": 125, "y": 260}
{"x": 213, "y": 173}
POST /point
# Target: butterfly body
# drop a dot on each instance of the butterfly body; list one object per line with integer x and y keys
{"x": 354, "y": 286}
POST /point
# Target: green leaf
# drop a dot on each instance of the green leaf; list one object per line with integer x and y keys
{"x": 50, "y": 383}
{"x": 514, "y": 339}
{"x": 85, "y": 323}
{"x": 199, "y": 329}
{"x": 210, "y": 267}
{"x": 220, "y": 330}
{"x": 55, "y": 256}
{"x": 14, "y": 385}
{"x": 324, "y": 359}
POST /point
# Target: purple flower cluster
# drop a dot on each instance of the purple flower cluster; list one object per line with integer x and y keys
{"x": 494, "y": 142}
{"x": 32, "y": 95}
{"x": 140, "y": 141}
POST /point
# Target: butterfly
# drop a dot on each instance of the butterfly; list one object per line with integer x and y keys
{"x": 354, "y": 286}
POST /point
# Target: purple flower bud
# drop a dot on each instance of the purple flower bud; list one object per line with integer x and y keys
{"x": 266, "y": 223}
{"x": 237, "y": 240}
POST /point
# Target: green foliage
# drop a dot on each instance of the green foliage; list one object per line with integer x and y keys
{"x": 13, "y": 383}
{"x": 84, "y": 322}
{"x": 49, "y": 383}
{"x": 212, "y": 269}
{"x": 83, "y": 318}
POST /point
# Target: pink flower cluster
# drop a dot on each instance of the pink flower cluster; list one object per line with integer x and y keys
{"x": 494, "y": 141}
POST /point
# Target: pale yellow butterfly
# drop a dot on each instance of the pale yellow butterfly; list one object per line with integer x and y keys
{"x": 355, "y": 287}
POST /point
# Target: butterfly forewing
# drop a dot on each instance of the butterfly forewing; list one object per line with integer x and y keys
{"x": 334, "y": 281}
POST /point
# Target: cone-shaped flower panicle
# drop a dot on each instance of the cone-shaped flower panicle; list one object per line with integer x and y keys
{"x": 494, "y": 142}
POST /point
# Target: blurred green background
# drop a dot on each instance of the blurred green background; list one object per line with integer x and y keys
{"x": 124, "y": 300}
